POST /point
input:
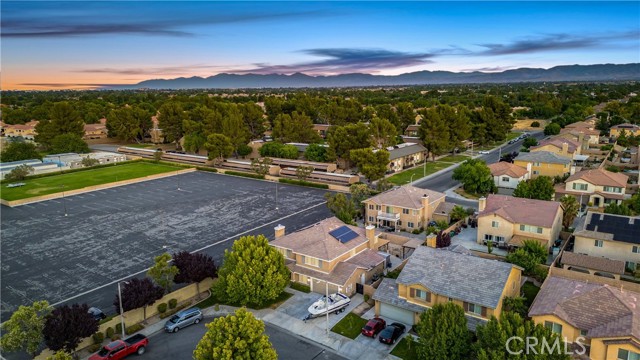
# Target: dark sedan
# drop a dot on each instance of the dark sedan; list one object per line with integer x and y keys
{"x": 373, "y": 327}
{"x": 391, "y": 333}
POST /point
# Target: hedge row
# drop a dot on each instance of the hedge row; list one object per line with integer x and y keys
{"x": 304, "y": 183}
{"x": 210, "y": 169}
{"x": 253, "y": 176}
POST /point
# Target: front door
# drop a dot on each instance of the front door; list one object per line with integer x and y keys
{"x": 596, "y": 201}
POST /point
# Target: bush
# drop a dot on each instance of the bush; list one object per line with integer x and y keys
{"x": 110, "y": 332}
{"x": 204, "y": 168}
{"x": 237, "y": 173}
{"x": 175, "y": 310}
{"x": 393, "y": 274}
{"x": 540, "y": 273}
{"x": 162, "y": 308}
{"x": 216, "y": 308}
{"x": 98, "y": 337}
{"x": 606, "y": 147}
{"x": 173, "y": 303}
{"x": 134, "y": 329}
{"x": 535, "y": 124}
{"x": 612, "y": 168}
{"x": 304, "y": 183}
{"x": 416, "y": 231}
{"x": 366, "y": 297}
{"x": 118, "y": 328}
{"x": 300, "y": 287}
{"x": 94, "y": 348}
{"x": 115, "y": 337}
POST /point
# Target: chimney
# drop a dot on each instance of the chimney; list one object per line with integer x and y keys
{"x": 431, "y": 240}
{"x": 482, "y": 203}
{"x": 370, "y": 233}
{"x": 425, "y": 208}
{"x": 565, "y": 148}
{"x": 279, "y": 230}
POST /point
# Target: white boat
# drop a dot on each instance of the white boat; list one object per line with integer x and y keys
{"x": 337, "y": 302}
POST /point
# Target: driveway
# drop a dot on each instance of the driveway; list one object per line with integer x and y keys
{"x": 467, "y": 238}
{"x": 297, "y": 306}
{"x": 374, "y": 343}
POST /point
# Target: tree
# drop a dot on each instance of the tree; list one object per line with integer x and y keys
{"x": 296, "y": 127}
{"x": 170, "y": 121}
{"x": 67, "y": 325}
{"x": 23, "y": 331}
{"x": 68, "y": 143}
{"x": 19, "y": 150}
{"x": 138, "y": 293}
{"x": 529, "y": 256}
{"x": 359, "y": 193}
{"x": 552, "y": 129}
{"x": 253, "y": 120}
{"x": 88, "y": 161}
{"x": 570, "y": 209}
{"x": 193, "y": 268}
{"x": 493, "y": 336}
{"x": 303, "y": 172}
{"x": 316, "y": 152}
{"x": 233, "y": 127}
{"x": 64, "y": 119}
{"x": 443, "y": 333}
{"x": 459, "y": 123}
{"x": 383, "y": 133}
{"x": 253, "y": 272}
{"x": 218, "y": 147}
{"x": 406, "y": 115}
{"x": 341, "y": 207}
{"x": 529, "y": 142}
{"x": 19, "y": 173}
{"x": 434, "y": 133}
{"x": 515, "y": 304}
{"x": 60, "y": 355}
{"x": 235, "y": 336}
{"x": 540, "y": 188}
{"x": 614, "y": 208}
{"x": 129, "y": 123}
{"x": 475, "y": 176}
{"x": 343, "y": 139}
{"x": 162, "y": 272}
{"x": 261, "y": 165}
{"x": 373, "y": 165}
{"x": 458, "y": 213}
{"x": 443, "y": 239}
{"x": 244, "y": 150}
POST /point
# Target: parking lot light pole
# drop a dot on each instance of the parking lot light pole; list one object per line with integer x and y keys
{"x": 326, "y": 284}
{"x": 64, "y": 201}
{"x": 121, "y": 310}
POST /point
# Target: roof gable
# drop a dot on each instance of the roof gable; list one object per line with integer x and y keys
{"x": 522, "y": 211}
{"x": 407, "y": 196}
{"x": 600, "y": 177}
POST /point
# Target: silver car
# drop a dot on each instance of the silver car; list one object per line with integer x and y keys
{"x": 183, "y": 319}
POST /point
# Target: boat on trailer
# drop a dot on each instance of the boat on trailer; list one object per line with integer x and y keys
{"x": 336, "y": 303}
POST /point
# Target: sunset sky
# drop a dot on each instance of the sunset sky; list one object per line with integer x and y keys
{"x": 54, "y": 45}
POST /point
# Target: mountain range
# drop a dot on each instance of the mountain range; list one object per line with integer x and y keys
{"x": 603, "y": 72}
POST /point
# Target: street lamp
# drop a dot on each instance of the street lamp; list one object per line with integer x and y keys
{"x": 121, "y": 310}
{"x": 64, "y": 201}
{"x": 276, "y": 196}
{"x": 411, "y": 181}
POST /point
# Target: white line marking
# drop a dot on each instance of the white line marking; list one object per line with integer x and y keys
{"x": 193, "y": 252}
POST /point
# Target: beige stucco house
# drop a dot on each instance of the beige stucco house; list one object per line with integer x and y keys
{"x": 331, "y": 254}
{"x": 596, "y": 186}
{"x": 510, "y": 220}
{"x": 629, "y": 129}
{"x": 559, "y": 146}
{"x": 507, "y": 175}
{"x": 544, "y": 163}
{"x": 615, "y": 237}
{"x": 405, "y": 155}
{"x": 406, "y": 207}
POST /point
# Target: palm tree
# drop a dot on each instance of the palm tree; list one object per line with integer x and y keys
{"x": 458, "y": 213}
{"x": 570, "y": 207}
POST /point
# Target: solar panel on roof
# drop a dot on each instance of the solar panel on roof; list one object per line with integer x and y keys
{"x": 343, "y": 234}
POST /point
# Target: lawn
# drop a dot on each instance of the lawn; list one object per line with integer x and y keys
{"x": 454, "y": 158}
{"x": 140, "y": 146}
{"x": 350, "y": 326}
{"x": 212, "y": 300}
{"x": 80, "y": 179}
{"x": 530, "y": 291}
{"x": 404, "y": 177}
{"x": 460, "y": 191}
{"x": 406, "y": 349}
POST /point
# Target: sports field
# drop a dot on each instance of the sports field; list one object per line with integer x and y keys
{"x": 77, "y": 180}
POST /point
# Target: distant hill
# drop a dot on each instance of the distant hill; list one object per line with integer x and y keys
{"x": 605, "y": 72}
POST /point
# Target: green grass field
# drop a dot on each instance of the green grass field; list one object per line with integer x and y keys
{"x": 77, "y": 180}
{"x": 404, "y": 177}
{"x": 350, "y": 326}
{"x": 406, "y": 349}
{"x": 454, "y": 158}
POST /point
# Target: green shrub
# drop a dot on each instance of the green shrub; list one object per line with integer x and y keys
{"x": 216, "y": 308}
{"x": 134, "y": 329}
{"x": 393, "y": 274}
{"x": 535, "y": 124}
{"x": 115, "y": 337}
{"x": 175, "y": 310}
{"x": 173, "y": 303}
{"x": 237, "y": 173}
{"x": 162, "y": 308}
{"x": 416, "y": 231}
{"x": 110, "y": 332}
{"x": 300, "y": 287}
{"x": 107, "y": 319}
{"x": 94, "y": 348}
{"x": 366, "y": 297}
{"x": 304, "y": 183}
{"x": 98, "y": 337}
{"x": 204, "y": 168}
{"x": 606, "y": 147}
{"x": 118, "y": 328}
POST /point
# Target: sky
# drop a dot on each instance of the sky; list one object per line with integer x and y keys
{"x": 89, "y": 44}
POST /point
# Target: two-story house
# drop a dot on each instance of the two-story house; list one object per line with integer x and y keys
{"x": 543, "y": 163}
{"x": 405, "y": 207}
{"x": 507, "y": 175}
{"x": 603, "y": 317}
{"x": 615, "y": 237}
{"x": 405, "y": 155}
{"x": 331, "y": 254}
{"x": 596, "y": 186}
{"x": 507, "y": 220}
{"x": 559, "y": 146}
{"x": 26, "y": 131}
{"x": 96, "y": 131}
{"x": 437, "y": 276}
{"x": 629, "y": 130}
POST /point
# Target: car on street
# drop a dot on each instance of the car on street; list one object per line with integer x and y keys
{"x": 483, "y": 152}
{"x": 183, "y": 319}
{"x": 391, "y": 333}
{"x": 120, "y": 349}
{"x": 373, "y": 327}
{"x": 97, "y": 313}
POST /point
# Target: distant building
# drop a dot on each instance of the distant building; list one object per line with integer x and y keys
{"x": 412, "y": 130}
{"x": 95, "y": 131}
{"x": 322, "y": 129}
{"x": 543, "y": 163}
{"x": 405, "y": 155}
{"x": 559, "y": 146}
{"x": 73, "y": 160}
{"x": 629, "y": 129}
{"x": 26, "y": 131}
{"x": 36, "y": 164}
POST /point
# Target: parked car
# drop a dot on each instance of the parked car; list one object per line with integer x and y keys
{"x": 97, "y": 313}
{"x": 183, "y": 319}
{"x": 391, "y": 333}
{"x": 483, "y": 152}
{"x": 120, "y": 349}
{"x": 373, "y": 327}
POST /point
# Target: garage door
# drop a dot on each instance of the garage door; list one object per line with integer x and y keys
{"x": 390, "y": 312}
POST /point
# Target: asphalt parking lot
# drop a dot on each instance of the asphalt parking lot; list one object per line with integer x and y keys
{"x": 111, "y": 234}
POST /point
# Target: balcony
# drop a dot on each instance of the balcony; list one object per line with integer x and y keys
{"x": 388, "y": 216}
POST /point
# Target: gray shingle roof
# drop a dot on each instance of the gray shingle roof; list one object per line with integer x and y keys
{"x": 543, "y": 157}
{"x": 405, "y": 150}
{"x": 457, "y": 275}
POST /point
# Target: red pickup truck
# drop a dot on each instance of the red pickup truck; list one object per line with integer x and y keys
{"x": 119, "y": 349}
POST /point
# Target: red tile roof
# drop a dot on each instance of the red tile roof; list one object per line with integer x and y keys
{"x": 600, "y": 177}
{"x": 506, "y": 168}
{"x": 522, "y": 211}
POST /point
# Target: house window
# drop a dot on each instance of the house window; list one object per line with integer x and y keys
{"x": 420, "y": 294}
{"x": 410, "y": 224}
{"x": 371, "y": 219}
{"x": 613, "y": 189}
{"x": 499, "y": 238}
{"x": 311, "y": 261}
{"x": 495, "y": 224}
{"x": 627, "y": 355}
{"x": 378, "y": 207}
{"x": 536, "y": 172}
{"x": 556, "y": 328}
{"x": 531, "y": 229}
{"x": 583, "y": 332}
{"x": 289, "y": 253}
{"x": 389, "y": 210}
{"x": 475, "y": 309}
{"x": 598, "y": 243}
{"x": 415, "y": 212}
{"x": 578, "y": 186}
{"x": 536, "y": 164}
{"x": 505, "y": 179}
{"x": 371, "y": 206}
{"x": 405, "y": 211}
{"x": 488, "y": 237}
